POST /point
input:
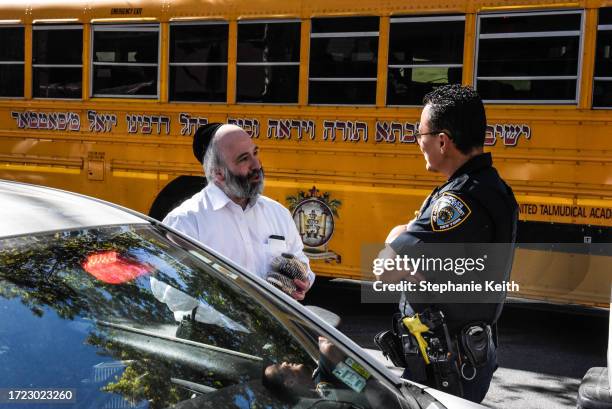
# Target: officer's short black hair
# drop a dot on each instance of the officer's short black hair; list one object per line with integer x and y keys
{"x": 460, "y": 111}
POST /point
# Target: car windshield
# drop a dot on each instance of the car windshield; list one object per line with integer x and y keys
{"x": 136, "y": 317}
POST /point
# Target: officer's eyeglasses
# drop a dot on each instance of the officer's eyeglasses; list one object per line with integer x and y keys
{"x": 418, "y": 134}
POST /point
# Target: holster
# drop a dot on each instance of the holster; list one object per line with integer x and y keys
{"x": 415, "y": 364}
{"x": 389, "y": 344}
{"x": 442, "y": 372}
{"x": 474, "y": 340}
{"x": 445, "y": 376}
{"x": 449, "y": 355}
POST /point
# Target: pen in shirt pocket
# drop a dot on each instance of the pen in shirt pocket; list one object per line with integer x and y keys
{"x": 276, "y": 237}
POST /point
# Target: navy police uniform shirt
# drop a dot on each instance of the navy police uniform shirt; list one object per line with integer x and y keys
{"x": 474, "y": 206}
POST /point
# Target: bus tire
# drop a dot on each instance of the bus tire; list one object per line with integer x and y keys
{"x": 175, "y": 193}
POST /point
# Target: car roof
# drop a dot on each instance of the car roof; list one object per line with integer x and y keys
{"x": 28, "y": 209}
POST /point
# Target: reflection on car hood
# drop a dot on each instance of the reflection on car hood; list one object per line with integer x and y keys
{"x": 31, "y": 209}
{"x": 451, "y": 401}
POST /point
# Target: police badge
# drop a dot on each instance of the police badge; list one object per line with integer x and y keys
{"x": 448, "y": 212}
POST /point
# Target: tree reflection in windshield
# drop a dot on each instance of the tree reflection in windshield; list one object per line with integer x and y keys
{"x": 134, "y": 316}
{"x": 136, "y": 331}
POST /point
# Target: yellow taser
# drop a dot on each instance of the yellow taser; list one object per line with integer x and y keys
{"x": 416, "y": 328}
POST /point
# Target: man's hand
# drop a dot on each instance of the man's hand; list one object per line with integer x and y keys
{"x": 393, "y": 275}
{"x": 395, "y": 232}
{"x": 302, "y": 287}
{"x": 292, "y": 268}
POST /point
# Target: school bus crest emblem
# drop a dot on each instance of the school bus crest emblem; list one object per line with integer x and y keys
{"x": 313, "y": 214}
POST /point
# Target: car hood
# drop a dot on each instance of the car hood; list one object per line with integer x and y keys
{"x": 30, "y": 209}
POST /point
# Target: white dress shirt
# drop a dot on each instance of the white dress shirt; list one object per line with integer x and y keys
{"x": 243, "y": 236}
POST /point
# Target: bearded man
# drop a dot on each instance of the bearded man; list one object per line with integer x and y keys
{"x": 230, "y": 215}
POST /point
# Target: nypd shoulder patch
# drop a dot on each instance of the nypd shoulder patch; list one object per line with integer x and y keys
{"x": 448, "y": 212}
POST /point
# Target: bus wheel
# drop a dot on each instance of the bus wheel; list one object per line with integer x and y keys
{"x": 175, "y": 193}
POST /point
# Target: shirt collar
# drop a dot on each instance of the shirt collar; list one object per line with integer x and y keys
{"x": 219, "y": 199}
{"x": 475, "y": 163}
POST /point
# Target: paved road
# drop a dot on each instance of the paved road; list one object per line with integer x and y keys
{"x": 542, "y": 358}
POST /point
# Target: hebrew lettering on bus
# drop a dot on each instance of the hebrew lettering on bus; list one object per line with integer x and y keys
{"x": 392, "y": 132}
{"x": 352, "y": 131}
{"x": 508, "y": 133}
{"x": 101, "y": 122}
{"x": 190, "y": 124}
{"x": 54, "y": 121}
{"x": 146, "y": 123}
{"x": 279, "y": 128}
{"x": 329, "y": 128}
{"x": 282, "y": 128}
{"x": 250, "y": 125}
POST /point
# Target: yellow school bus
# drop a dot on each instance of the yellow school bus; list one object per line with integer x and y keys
{"x": 103, "y": 98}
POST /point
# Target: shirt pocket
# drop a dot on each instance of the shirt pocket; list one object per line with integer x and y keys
{"x": 274, "y": 248}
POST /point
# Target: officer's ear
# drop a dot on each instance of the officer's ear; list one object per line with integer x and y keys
{"x": 446, "y": 142}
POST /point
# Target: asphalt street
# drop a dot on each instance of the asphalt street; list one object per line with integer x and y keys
{"x": 544, "y": 351}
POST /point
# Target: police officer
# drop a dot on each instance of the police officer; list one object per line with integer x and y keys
{"x": 474, "y": 206}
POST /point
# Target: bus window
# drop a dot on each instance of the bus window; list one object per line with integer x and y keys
{"x": 198, "y": 62}
{"x": 602, "y": 87}
{"x": 343, "y": 60}
{"x": 529, "y": 57}
{"x": 57, "y": 61}
{"x": 268, "y": 61}
{"x": 125, "y": 60}
{"x": 11, "y": 61}
{"x": 423, "y": 52}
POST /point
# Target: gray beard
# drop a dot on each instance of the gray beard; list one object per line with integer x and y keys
{"x": 240, "y": 187}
